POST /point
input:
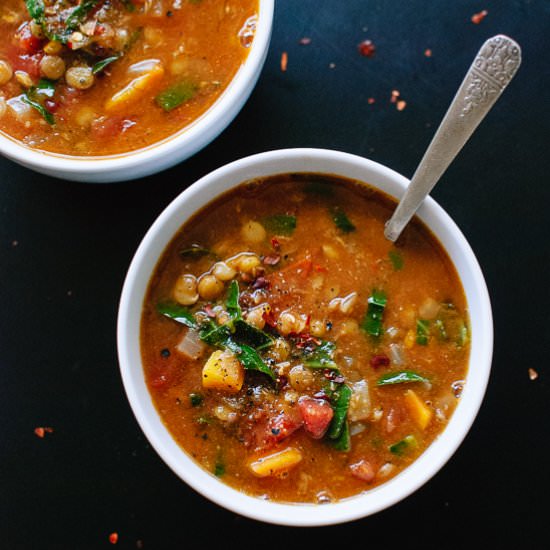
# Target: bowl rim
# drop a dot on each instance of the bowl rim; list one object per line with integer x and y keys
{"x": 191, "y": 138}
{"x": 162, "y": 231}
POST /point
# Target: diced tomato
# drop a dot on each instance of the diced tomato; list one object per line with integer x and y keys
{"x": 263, "y": 430}
{"x": 28, "y": 63}
{"x": 110, "y": 127}
{"x": 281, "y": 426}
{"x": 363, "y": 470}
{"x": 317, "y": 415}
{"x": 27, "y": 41}
{"x": 162, "y": 374}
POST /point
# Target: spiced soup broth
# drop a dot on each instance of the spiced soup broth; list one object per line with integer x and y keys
{"x": 296, "y": 353}
{"x": 104, "y": 77}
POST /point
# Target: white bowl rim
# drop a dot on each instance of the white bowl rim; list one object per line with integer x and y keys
{"x": 425, "y": 466}
{"x": 196, "y": 135}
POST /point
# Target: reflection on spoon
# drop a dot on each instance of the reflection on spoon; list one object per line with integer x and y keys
{"x": 493, "y": 68}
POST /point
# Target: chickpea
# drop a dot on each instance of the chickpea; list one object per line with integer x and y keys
{"x": 6, "y": 72}
{"x": 248, "y": 263}
{"x": 52, "y": 67}
{"x": 80, "y": 78}
{"x": 24, "y": 79}
{"x": 36, "y": 29}
{"x": 209, "y": 287}
{"x": 253, "y": 232}
{"x": 185, "y": 290}
{"x": 256, "y": 316}
{"x": 300, "y": 378}
{"x": 280, "y": 350}
{"x": 3, "y": 106}
{"x": 317, "y": 328}
{"x": 223, "y": 272}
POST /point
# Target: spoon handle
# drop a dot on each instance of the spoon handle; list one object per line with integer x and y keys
{"x": 493, "y": 68}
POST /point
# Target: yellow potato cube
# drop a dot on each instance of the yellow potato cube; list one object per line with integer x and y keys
{"x": 419, "y": 411}
{"x": 276, "y": 463}
{"x": 224, "y": 372}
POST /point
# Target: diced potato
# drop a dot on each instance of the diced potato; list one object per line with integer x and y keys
{"x": 419, "y": 411}
{"x": 224, "y": 372}
{"x": 135, "y": 88}
{"x": 276, "y": 463}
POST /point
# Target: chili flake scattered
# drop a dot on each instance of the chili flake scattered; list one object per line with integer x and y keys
{"x": 41, "y": 431}
{"x": 533, "y": 374}
{"x": 428, "y": 52}
{"x": 366, "y": 48}
{"x": 113, "y": 538}
{"x": 477, "y": 18}
{"x": 304, "y": 41}
{"x": 371, "y": 100}
{"x": 284, "y": 61}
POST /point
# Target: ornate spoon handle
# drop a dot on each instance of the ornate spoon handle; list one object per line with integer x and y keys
{"x": 493, "y": 68}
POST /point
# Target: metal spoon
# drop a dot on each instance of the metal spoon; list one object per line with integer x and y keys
{"x": 493, "y": 68}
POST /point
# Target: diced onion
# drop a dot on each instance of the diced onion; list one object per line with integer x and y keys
{"x": 191, "y": 345}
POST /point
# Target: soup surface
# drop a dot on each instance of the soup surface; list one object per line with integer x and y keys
{"x": 296, "y": 353}
{"x": 101, "y": 77}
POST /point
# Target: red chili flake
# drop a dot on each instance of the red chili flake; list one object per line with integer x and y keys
{"x": 269, "y": 318}
{"x": 379, "y": 361}
{"x": 271, "y": 259}
{"x": 320, "y": 268}
{"x": 41, "y": 431}
{"x": 366, "y": 48}
{"x": 477, "y": 18}
{"x": 113, "y": 538}
{"x": 394, "y": 96}
{"x": 428, "y": 52}
{"x": 304, "y": 41}
{"x": 371, "y": 100}
{"x": 275, "y": 244}
{"x": 260, "y": 282}
{"x": 401, "y": 104}
{"x": 51, "y": 105}
{"x": 284, "y": 61}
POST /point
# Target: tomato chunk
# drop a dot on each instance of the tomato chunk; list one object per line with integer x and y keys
{"x": 363, "y": 470}
{"x": 27, "y": 41}
{"x": 317, "y": 415}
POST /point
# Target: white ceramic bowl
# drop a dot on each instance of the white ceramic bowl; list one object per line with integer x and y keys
{"x": 168, "y": 152}
{"x": 160, "y": 234}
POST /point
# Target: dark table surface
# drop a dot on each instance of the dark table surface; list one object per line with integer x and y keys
{"x": 65, "y": 248}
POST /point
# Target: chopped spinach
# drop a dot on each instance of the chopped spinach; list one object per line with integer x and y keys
{"x": 396, "y": 260}
{"x": 340, "y": 401}
{"x": 406, "y": 444}
{"x": 422, "y": 332}
{"x": 322, "y": 357}
{"x": 341, "y": 220}
{"x": 178, "y": 313}
{"x": 175, "y": 95}
{"x": 280, "y": 224}
{"x": 34, "y": 97}
{"x": 400, "y": 377}
{"x": 372, "y": 322}
{"x": 100, "y": 65}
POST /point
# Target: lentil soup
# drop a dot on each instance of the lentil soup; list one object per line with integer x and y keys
{"x": 292, "y": 350}
{"x": 104, "y": 77}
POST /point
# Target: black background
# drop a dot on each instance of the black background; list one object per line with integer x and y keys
{"x": 65, "y": 248}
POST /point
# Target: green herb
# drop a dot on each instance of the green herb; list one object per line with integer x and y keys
{"x": 34, "y": 97}
{"x": 372, "y": 322}
{"x": 400, "y": 377}
{"x": 340, "y": 400}
{"x": 178, "y": 313}
{"x": 203, "y": 420}
{"x": 219, "y": 468}
{"x": 195, "y": 251}
{"x": 422, "y": 332}
{"x": 248, "y": 334}
{"x": 341, "y": 220}
{"x": 100, "y": 65}
{"x": 396, "y": 260}
{"x": 321, "y": 357}
{"x": 406, "y": 444}
{"x": 343, "y": 442}
{"x": 232, "y": 301}
{"x": 78, "y": 15}
{"x": 175, "y": 95}
{"x": 463, "y": 335}
{"x": 196, "y": 399}
{"x": 249, "y": 358}
{"x": 213, "y": 334}
{"x": 36, "y": 9}
{"x": 280, "y": 224}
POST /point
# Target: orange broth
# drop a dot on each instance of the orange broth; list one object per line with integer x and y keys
{"x": 120, "y": 76}
{"x": 307, "y": 251}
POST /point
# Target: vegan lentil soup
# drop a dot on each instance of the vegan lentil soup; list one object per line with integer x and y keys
{"x": 103, "y": 77}
{"x": 292, "y": 350}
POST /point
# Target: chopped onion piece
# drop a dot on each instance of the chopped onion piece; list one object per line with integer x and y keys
{"x": 191, "y": 345}
{"x": 397, "y": 355}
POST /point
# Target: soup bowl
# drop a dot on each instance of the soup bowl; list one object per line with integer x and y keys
{"x": 167, "y": 152}
{"x": 133, "y": 294}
